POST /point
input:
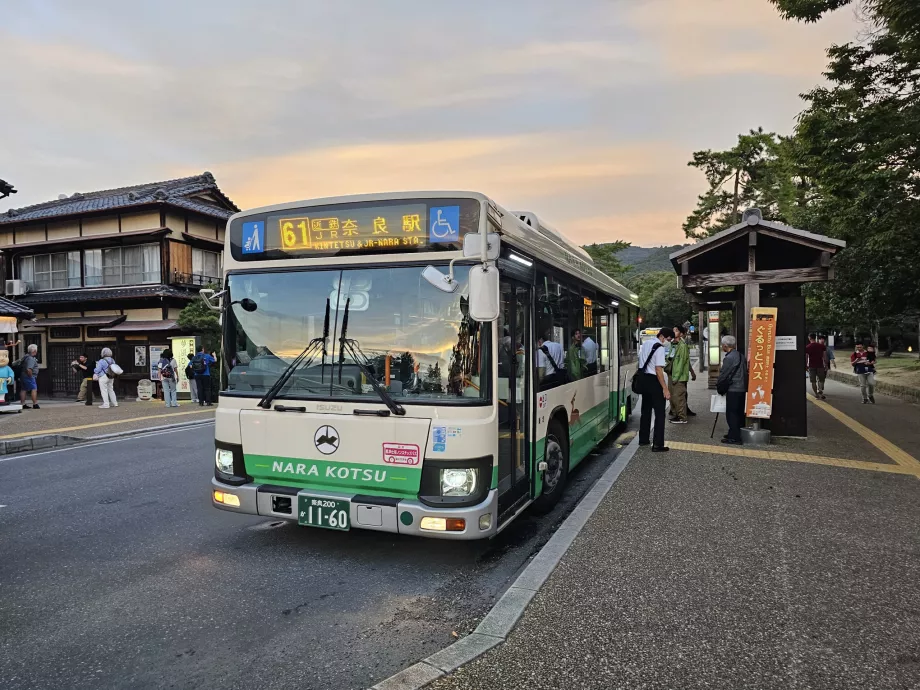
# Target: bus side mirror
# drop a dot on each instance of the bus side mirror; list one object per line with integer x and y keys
{"x": 484, "y": 296}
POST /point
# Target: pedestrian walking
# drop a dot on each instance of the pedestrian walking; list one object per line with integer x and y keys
{"x": 814, "y": 365}
{"x": 655, "y": 391}
{"x": 201, "y": 365}
{"x": 829, "y": 358}
{"x": 105, "y": 373}
{"x": 28, "y": 379}
{"x": 190, "y": 375}
{"x": 681, "y": 373}
{"x": 81, "y": 368}
{"x": 864, "y": 368}
{"x": 168, "y": 368}
{"x": 733, "y": 385}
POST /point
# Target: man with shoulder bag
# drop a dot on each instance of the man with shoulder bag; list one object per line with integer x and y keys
{"x": 653, "y": 386}
{"x": 732, "y": 383}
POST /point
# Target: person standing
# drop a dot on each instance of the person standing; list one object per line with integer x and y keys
{"x": 550, "y": 361}
{"x": 201, "y": 365}
{"x": 590, "y": 348}
{"x": 864, "y": 368}
{"x": 81, "y": 368}
{"x": 829, "y": 359}
{"x": 575, "y": 357}
{"x": 28, "y": 381}
{"x": 190, "y": 375}
{"x": 814, "y": 364}
{"x": 681, "y": 372}
{"x": 732, "y": 380}
{"x": 654, "y": 389}
{"x": 105, "y": 375}
{"x": 168, "y": 368}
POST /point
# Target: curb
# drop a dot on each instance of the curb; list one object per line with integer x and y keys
{"x": 500, "y": 621}
{"x": 892, "y": 389}
{"x": 47, "y": 441}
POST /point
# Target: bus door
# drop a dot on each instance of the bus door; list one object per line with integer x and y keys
{"x": 515, "y": 352}
{"x": 616, "y": 386}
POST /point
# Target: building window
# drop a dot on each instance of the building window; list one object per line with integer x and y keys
{"x": 205, "y": 266}
{"x": 93, "y": 332}
{"x": 51, "y": 271}
{"x": 122, "y": 265}
{"x": 65, "y": 332}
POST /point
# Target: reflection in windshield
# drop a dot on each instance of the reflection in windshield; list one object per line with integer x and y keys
{"x": 416, "y": 341}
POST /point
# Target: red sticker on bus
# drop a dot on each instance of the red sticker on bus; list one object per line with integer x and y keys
{"x": 401, "y": 454}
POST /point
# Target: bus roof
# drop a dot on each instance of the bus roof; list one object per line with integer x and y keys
{"x": 521, "y": 229}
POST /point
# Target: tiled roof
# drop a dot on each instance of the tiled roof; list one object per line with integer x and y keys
{"x": 65, "y": 296}
{"x": 142, "y": 326}
{"x": 10, "y": 308}
{"x": 179, "y": 192}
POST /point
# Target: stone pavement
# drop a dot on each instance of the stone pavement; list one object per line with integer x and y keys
{"x": 718, "y": 567}
{"x": 78, "y": 420}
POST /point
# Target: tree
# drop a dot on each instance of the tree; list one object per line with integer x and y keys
{"x": 662, "y": 303}
{"x": 198, "y": 319}
{"x": 605, "y": 258}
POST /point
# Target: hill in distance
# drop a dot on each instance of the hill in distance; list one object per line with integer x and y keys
{"x": 642, "y": 260}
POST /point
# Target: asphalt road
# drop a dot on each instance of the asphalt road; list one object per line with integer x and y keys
{"x": 116, "y": 572}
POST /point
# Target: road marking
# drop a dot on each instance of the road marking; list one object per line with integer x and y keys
{"x": 78, "y": 446}
{"x": 887, "y": 447}
{"x": 740, "y": 451}
{"x": 43, "y": 432}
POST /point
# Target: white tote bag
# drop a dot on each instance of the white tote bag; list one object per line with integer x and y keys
{"x": 717, "y": 404}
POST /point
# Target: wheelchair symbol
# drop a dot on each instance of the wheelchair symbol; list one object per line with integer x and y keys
{"x": 441, "y": 228}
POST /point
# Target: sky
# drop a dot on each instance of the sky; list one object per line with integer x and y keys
{"x": 584, "y": 112}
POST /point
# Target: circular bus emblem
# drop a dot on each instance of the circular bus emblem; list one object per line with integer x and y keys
{"x": 326, "y": 439}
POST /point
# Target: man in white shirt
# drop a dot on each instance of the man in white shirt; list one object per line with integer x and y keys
{"x": 652, "y": 359}
{"x": 550, "y": 375}
{"x": 590, "y": 348}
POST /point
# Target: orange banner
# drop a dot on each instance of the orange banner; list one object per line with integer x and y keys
{"x": 761, "y": 352}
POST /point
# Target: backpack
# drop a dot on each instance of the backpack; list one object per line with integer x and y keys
{"x": 113, "y": 371}
{"x": 198, "y": 365}
{"x": 166, "y": 371}
{"x": 189, "y": 372}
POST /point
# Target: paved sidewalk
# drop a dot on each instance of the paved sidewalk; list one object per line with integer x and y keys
{"x": 78, "y": 420}
{"x": 795, "y": 567}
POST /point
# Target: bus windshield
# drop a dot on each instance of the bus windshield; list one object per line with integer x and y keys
{"x": 416, "y": 341}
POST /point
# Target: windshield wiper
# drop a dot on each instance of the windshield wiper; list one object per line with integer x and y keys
{"x": 354, "y": 351}
{"x": 307, "y": 354}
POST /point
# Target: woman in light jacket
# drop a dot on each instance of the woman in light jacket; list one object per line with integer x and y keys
{"x": 168, "y": 368}
{"x": 106, "y": 383}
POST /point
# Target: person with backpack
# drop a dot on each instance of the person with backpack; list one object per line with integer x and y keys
{"x": 654, "y": 389}
{"x": 190, "y": 376}
{"x": 201, "y": 366}
{"x": 105, "y": 373}
{"x": 168, "y": 368}
{"x": 732, "y": 383}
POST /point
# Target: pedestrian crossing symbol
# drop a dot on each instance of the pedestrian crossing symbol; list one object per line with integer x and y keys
{"x": 254, "y": 237}
{"x": 445, "y": 224}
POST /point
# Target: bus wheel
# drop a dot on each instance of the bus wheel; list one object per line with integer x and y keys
{"x": 556, "y": 455}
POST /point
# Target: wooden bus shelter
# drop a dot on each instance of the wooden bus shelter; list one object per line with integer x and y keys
{"x": 759, "y": 263}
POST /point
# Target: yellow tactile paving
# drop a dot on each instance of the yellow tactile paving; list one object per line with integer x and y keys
{"x": 129, "y": 420}
{"x": 794, "y": 457}
{"x": 880, "y": 442}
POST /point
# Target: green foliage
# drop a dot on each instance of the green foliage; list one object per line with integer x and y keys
{"x": 605, "y": 257}
{"x": 639, "y": 260}
{"x": 197, "y": 319}
{"x": 661, "y": 301}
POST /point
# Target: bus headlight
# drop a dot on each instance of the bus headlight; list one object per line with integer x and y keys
{"x": 223, "y": 458}
{"x": 458, "y": 482}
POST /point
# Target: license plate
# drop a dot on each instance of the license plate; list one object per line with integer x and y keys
{"x": 327, "y": 513}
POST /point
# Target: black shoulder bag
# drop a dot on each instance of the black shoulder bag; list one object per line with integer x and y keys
{"x": 723, "y": 385}
{"x": 637, "y": 386}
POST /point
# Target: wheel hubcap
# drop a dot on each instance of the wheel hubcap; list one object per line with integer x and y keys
{"x": 553, "y": 463}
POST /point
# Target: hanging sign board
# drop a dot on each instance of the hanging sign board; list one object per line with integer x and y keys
{"x": 762, "y": 350}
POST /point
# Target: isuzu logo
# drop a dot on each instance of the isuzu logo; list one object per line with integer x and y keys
{"x": 326, "y": 439}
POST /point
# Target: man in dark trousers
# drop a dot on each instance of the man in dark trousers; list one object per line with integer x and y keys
{"x": 655, "y": 391}
{"x": 201, "y": 365}
{"x": 732, "y": 380}
{"x": 814, "y": 364}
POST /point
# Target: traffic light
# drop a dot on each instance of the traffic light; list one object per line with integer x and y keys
{"x": 6, "y": 189}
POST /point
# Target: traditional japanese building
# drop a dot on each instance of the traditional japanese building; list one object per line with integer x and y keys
{"x": 111, "y": 268}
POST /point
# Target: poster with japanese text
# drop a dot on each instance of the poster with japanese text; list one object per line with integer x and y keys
{"x": 761, "y": 351}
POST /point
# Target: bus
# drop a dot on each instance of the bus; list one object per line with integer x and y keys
{"x": 411, "y": 363}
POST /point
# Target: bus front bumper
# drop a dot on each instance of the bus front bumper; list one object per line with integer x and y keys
{"x": 400, "y": 516}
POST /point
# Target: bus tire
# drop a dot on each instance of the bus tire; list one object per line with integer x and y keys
{"x": 556, "y": 455}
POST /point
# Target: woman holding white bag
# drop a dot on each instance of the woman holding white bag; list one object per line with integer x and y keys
{"x": 105, "y": 372}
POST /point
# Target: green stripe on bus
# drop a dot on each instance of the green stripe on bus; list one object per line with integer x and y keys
{"x": 326, "y": 475}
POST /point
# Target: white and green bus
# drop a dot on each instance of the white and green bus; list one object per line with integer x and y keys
{"x": 411, "y": 363}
